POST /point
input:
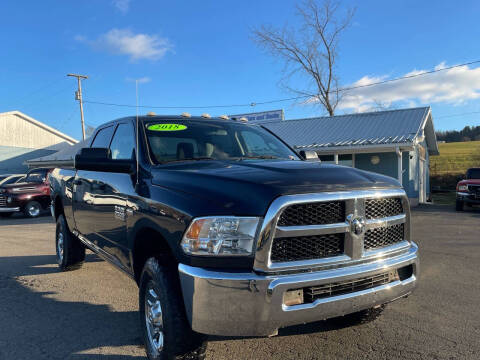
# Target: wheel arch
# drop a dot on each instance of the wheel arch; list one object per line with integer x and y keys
{"x": 148, "y": 241}
{"x": 58, "y": 206}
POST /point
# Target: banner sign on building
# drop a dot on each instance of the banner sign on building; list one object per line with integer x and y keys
{"x": 261, "y": 117}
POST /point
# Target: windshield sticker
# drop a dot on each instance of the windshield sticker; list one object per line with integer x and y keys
{"x": 166, "y": 127}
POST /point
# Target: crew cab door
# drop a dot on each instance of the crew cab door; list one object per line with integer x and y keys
{"x": 110, "y": 198}
{"x": 85, "y": 185}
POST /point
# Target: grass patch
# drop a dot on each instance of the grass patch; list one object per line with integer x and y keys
{"x": 455, "y": 158}
{"x": 447, "y": 198}
{"x": 451, "y": 165}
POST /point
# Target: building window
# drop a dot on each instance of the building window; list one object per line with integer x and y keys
{"x": 345, "y": 160}
{"x": 328, "y": 159}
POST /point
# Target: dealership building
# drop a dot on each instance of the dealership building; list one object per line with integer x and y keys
{"x": 397, "y": 143}
{"x": 23, "y": 138}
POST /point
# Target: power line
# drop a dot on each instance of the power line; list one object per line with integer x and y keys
{"x": 251, "y": 104}
{"x": 459, "y": 114}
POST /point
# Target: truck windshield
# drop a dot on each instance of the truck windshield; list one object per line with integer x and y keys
{"x": 473, "y": 174}
{"x": 196, "y": 140}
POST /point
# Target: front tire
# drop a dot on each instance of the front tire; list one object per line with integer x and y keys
{"x": 166, "y": 331}
{"x": 32, "y": 209}
{"x": 70, "y": 251}
{"x": 459, "y": 205}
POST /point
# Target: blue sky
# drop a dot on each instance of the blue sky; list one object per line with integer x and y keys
{"x": 200, "y": 53}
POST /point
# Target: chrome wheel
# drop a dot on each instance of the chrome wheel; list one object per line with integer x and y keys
{"x": 60, "y": 246}
{"x": 33, "y": 210}
{"x": 154, "y": 319}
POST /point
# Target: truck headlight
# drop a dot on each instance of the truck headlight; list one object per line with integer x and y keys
{"x": 222, "y": 235}
{"x": 462, "y": 187}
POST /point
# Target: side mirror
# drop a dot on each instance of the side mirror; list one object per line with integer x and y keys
{"x": 100, "y": 159}
{"x": 309, "y": 155}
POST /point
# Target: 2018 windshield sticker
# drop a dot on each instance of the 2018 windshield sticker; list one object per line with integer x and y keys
{"x": 166, "y": 127}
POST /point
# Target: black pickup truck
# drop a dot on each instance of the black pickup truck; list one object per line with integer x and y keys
{"x": 228, "y": 231}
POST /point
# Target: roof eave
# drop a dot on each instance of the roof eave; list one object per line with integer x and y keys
{"x": 359, "y": 148}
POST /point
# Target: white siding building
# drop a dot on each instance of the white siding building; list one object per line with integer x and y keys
{"x": 23, "y": 138}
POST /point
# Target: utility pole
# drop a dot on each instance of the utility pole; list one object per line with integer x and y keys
{"x": 78, "y": 96}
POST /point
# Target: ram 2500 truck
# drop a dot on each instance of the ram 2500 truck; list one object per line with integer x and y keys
{"x": 228, "y": 231}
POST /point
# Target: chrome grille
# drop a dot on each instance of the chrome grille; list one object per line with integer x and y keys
{"x": 307, "y": 247}
{"x": 306, "y": 231}
{"x": 313, "y": 214}
{"x": 3, "y": 201}
{"x": 346, "y": 287}
{"x": 384, "y": 207}
{"x": 383, "y": 236}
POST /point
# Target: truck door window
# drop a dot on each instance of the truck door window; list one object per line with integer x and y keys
{"x": 102, "y": 139}
{"x": 123, "y": 143}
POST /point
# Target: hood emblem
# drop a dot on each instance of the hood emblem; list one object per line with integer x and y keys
{"x": 357, "y": 225}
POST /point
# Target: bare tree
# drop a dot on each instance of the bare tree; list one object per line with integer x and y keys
{"x": 311, "y": 50}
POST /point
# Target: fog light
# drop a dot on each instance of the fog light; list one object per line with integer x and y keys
{"x": 293, "y": 297}
{"x": 9, "y": 199}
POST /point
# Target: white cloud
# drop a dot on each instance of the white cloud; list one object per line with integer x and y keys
{"x": 142, "y": 80}
{"x": 125, "y": 42}
{"x": 453, "y": 86}
{"x": 122, "y": 5}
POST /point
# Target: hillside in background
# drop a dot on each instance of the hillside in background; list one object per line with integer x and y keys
{"x": 469, "y": 133}
{"x": 454, "y": 160}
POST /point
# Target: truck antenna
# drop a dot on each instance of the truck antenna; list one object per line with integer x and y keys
{"x": 136, "y": 131}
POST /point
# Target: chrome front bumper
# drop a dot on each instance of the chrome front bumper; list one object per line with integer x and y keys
{"x": 248, "y": 304}
{"x": 9, "y": 209}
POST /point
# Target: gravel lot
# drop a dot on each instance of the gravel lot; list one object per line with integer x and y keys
{"x": 91, "y": 313}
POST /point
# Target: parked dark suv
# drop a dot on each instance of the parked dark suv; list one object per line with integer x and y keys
{"x": 31, "y": 196}
{"x": 468, "y": 190}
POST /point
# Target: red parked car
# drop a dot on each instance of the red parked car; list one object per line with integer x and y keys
{"x": 31, "y": 196}
{"x": 468, "y": 190}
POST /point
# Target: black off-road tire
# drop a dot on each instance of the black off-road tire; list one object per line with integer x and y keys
{"x": 73, "y": 254}
{"x": 358, "y": 318}
{"x": 459, "y": 205}
{"x": 6, "y": 214}
{"x": 27, "y": 210}
{"x": 179, "y": 340}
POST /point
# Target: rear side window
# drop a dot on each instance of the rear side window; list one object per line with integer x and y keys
{"x": 102, "y": 139}
{"x": 123, "y": 143}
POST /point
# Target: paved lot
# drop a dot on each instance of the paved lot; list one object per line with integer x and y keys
{"x": 91, "y": 313}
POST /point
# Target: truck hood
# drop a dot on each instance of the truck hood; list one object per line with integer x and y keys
{"x": 469, "y": 181}
{"x": 21, "y": 185}
{"x": 247, "y": 187}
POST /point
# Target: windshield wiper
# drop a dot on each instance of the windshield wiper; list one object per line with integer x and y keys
{"x": 258, "y": 157}
{"x": 190, "y": 159}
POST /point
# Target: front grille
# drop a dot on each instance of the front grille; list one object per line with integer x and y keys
{"x": 379, "y": 208}
{"x": 3, "y": 201}
{"x": 346, "y": 287}
{"x": 384, "y": 236}
{"x": 307, "y": 247}
{"x": 474, "y": 188}
{"x": 318, "y": 213}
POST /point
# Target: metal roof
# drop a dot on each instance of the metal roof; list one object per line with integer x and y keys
{"x": 389, "y": 128}
{"x": 61, "y": 158}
